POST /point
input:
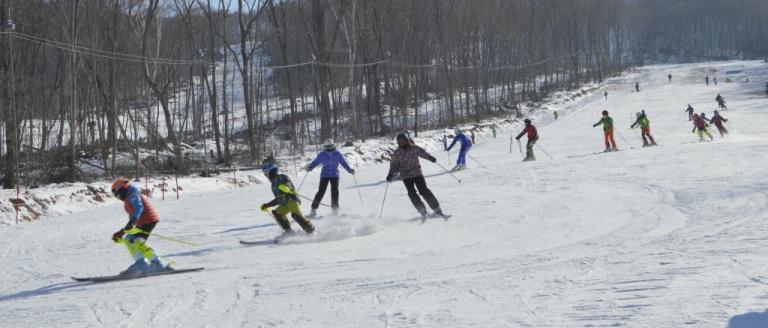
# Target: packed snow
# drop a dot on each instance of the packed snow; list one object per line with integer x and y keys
{"x": 666, "y": 236}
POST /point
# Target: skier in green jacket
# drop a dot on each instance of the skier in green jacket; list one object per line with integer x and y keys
{"x": 607, "y": 122}
{"x": 645, "y": 126}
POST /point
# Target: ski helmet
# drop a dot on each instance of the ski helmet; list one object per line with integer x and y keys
{"x": 328, "y": 144}
{"x": 402, "y": 136}
{"x": 716, "y": 112}
{"x": 527, "y": 121}
{"x": 457, "y": 130}
{"x": 120, "y": 187}
{"x": 605, "y": 113}
{"x": 267, "y": 168}
{"x": 638, "y": 114}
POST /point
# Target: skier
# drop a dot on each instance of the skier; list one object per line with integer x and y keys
{"x": 720, "y": 102}
{"x": 669, "y": 76}
{"x": 607, "y": 122}
{"x": 645, "y": 126}
{"x": 718, "y": 120}
{"x": 706, "y": 79}
{"x": 637, "y": 86}
{"x": 700, "y": 127}
{"x": 405, "y": 161}
{"x": 533, "y": 136}
{"x": 703, "y": 116}
{"x": 466, "y": 145}
{"x": 286, "y": 200}
{"x": 605, "y": 94}
{"x": 556, "y": 115}
{"x": 330, "y": 159}
{"x": 690, "y": 112}
{"x": 142, "y": 219}
{"x": 715, "y": 79}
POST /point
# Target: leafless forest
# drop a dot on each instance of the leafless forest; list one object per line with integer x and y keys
{"x": 121, "y": 87}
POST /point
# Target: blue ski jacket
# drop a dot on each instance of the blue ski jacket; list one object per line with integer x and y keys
{"x": 330, "y": 161}
{"x": 465, "y": 142}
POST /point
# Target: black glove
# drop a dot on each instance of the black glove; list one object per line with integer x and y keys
{"x": 264, "y": 207}
{"x": 432, "y": 159}
{"x": 517, "y": 138}
{"x": 352, "y": 171}
{"x": 118, "y": 235}
{"x": 388, "y": 178}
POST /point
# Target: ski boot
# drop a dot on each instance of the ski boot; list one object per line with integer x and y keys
{"x": 312, "y": 213}
{"x": 156, "y": 266}
{"x": 138, "y": 267}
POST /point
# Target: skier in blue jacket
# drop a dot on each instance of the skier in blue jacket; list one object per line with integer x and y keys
{"x": 466, "y": 145}
{"x": 330, "y": 159}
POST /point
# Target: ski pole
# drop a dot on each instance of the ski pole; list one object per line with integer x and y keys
{"x": 520, "y": 146}
{"x": 510, "y": 144}
{"x": 384, "y": 200}
{"x": 302, "y": 181}
{"x": 137, "y": 231}
{"x": 622, "y": 137}
{"x": 358, "y": 190}
{"x": 545, "y": 152}
{"x": 449, "y": 172}
{"x": 310, "y": 199}
{"x": 476, "y": 161}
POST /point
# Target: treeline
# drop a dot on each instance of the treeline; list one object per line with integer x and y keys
{"x": 99, "y": 78}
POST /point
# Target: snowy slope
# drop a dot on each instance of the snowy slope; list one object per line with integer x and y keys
{"x": 668, "y": 236}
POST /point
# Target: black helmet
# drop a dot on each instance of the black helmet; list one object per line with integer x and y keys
{"x": 403, "y": 136}
{"x": 527, "y": 121}
{"x": 605, "y": 112}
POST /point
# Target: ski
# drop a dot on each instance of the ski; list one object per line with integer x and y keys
{"x": 435, "y": 215}
{"x": 130, "y": 276}
{"x": 260, "y": 242}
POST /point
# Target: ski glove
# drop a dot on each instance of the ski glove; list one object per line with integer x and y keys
{"x": 389, "y": 178}
{"x": 118, "y": 235}
{"x": 432, "y": 159}
{"x": 264, "y": 207}
{"x": 352, "y": 171}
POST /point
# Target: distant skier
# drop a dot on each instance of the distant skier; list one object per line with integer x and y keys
{"x": 637, "y": 86}
{"x": 142, "y": 219}
{"x": 329, "y": 158}
{"x": 700, "y": 128}
{"x": 645, "y": 126}
{"x": 556, "y": 114}
{"x": 607, "y": 122}
{"x": 605, "y": 94}
{"x": 706, "y": 79}
{"x": 715, "y": 79}
{"x": 405, "y": 161}
{"x": 718, "y": 121}
{"x": 669, "y": 76}
{"x": 533, "y": 136}
{"x": 690, "y": 111}
{"x": 466, "y": 145}
{"x": 286, "y": 200}
{"x": 721, "y": 102}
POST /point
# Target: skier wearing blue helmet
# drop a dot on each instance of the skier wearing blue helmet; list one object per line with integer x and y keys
{"x": 286, "y": 200}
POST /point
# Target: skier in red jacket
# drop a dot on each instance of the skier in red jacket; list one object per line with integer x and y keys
{"x": 142, "y": 219}
{"x": 533, "y": 136}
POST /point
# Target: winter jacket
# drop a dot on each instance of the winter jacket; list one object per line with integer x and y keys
{"x": 465, "y": 142}
{"x": 642, "y": 121}
{"x": 330, "y": 161}
{"x": 405, "y": 160}
{"x": 689, "y": 110}
{"x": 533, "y": 135}
{"x": 718, "y": 120}
{"x": 284, "y": 191}
{"x": 607, "y": 123}
{"x": 700, "y": 124}
{"x": 140, "y": 210}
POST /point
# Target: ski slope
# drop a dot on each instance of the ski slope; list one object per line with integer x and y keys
{"x": 669, "y": 236}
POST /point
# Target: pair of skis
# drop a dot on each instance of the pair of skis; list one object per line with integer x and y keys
{"x": 129, "y": 276}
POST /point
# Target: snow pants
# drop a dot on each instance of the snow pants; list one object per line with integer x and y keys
{"x": 292, "y": 207}
{"x": 702, "y": 132}
{"x": 609, "y": 141}
{"x": 723, "y": 131}
{"x": 137, "y": 243}
{"x": 529, "y": 150}
{"x": 412, "y": 184}
{"x": 321, "y": 192}
{"x": 647, "y": 136}
{"x": 462, "y": 158}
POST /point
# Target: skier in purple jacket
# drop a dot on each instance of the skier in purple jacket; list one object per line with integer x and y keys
{"x": 330, "y": 159}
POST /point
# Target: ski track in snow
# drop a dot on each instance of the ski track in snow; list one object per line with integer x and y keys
{"x": 669, "y": 236}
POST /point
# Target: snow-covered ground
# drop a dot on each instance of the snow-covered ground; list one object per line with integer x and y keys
{"x": 668, "y": 236}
